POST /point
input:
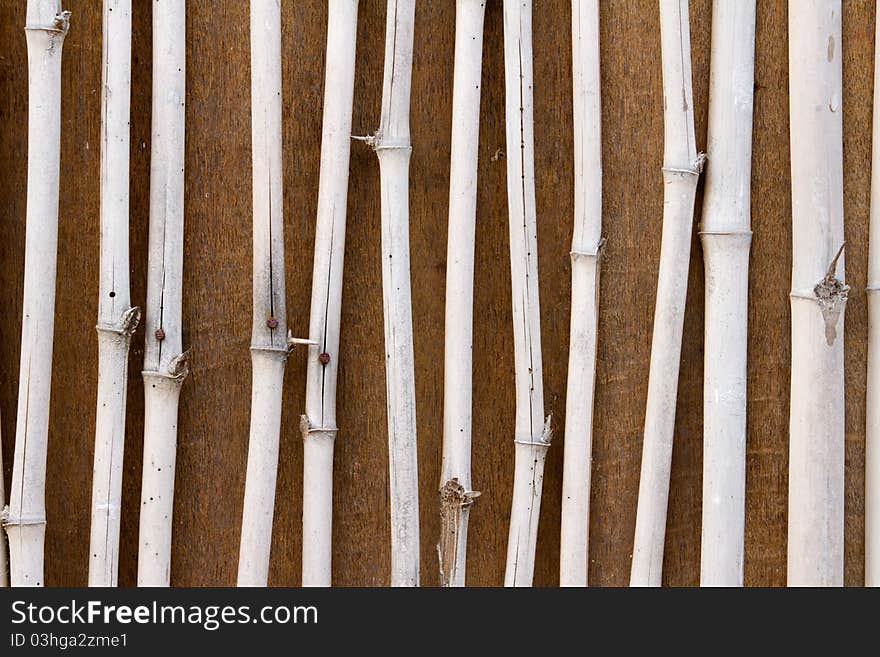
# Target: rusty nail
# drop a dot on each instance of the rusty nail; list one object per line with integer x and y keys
{"x": 160, "y": 334}
{"x": 272, "y": 323}
{"x": 324, "y": 358}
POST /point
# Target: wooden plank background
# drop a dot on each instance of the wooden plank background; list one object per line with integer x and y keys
{"x": 215, "y": 401}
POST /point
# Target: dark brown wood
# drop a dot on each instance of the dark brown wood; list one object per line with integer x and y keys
{"x": 215, "y": 402}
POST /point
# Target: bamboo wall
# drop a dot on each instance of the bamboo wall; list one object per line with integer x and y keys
{"x": 217, "y": 306}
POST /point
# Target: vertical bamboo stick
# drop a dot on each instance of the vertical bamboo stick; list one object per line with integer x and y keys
{"x": 165, "y": 366}
{"x": 585, "y": 247}
{"x": 456, "y": 495}
{"x": 532, "y": 431}
{"x": 4, "y": 553}
{"x": 726, "y": 235}
{"x": 269, "y": 329}
{"x": 818, "y": 296}
{"x": 319, "y": 422}
{"x": 872, "y": 437}
{"x": 681, "y": 169}
{"x": 117, "y": 320}
{"x": 25, "y": 521}
{"x": 393, "y": 148}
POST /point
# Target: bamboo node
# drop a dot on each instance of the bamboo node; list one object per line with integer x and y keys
{"x": 695, "y": 169}
{"x": 595, "y": 252}
{"x": 9, "y": 520}
{"x": 379, "y": 143}
{"x": 111, "y": 509}
{"x": 369, "y": 140}
{"x": 540, "y": 441}
{"x": 60, "y": 24}
{"x": 310, "y": 431}
{"x": 831, "y": 294}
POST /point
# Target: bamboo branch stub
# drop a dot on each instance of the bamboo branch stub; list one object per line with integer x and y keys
{"x": 455, "y": 501}
{"x": 831, "y": 294}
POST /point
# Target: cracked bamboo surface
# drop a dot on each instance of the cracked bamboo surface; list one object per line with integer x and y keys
{"x": 214, "y": 413}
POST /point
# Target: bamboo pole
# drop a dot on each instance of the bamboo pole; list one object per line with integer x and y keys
{"x": 165, "y": 363}
{"x": 25, "y": 520}
{"x": 269, "y": 330}
{"x": 4, "y": 552}
{"x": 532, "y": 431}
{"x": 117, "y": 320}
{"x": 319, "y": 422}
{"x": 872, "y": 437}
{"x": 585, "y": 249}
{"x": 818, "y": 296}
{"x": 681, "y": 169}
{"x": 456, "y": 496}
{"x": 726, "y": 236}
{"x": 393, "y": 148}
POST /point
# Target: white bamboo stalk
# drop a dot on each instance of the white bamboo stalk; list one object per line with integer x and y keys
{"x": 165, "y": 363}
{"x": 818, "y": 296}
{"x": 585, "y": 247}
{"x": 117, "y": 320}
{"x": 456, "y": 496}
{"x": 681, "y": 169}
{"x": 532, "y": 431}
{"x": 393, "y": 148}
{"x": 726, "y": 235}
{"x": 4, "y": 553}
{"x": 319, "y": 421}
{"x": 269, "y": 330}
{"x": 25, "y": 520}
{"x": 872, "y": 436}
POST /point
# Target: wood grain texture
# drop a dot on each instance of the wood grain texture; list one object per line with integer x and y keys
{"x": 214, "y": 407}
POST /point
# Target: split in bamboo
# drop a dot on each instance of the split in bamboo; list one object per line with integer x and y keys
{"x": 872, "y": 436}
{"x": 585, "y": 259}
{"x": 319, "y": 422}
{"x": 117, "y": 320}
{"x": 25, "y": 519}
{"x": 269, "y": 345}
{"x": 532, "y": 430}
{"x": 818, "y": 296}
{"x": 165, "y": 363}
{"x": 393, "y": 148}
{"x": 681, "y": 169}
{"x": 726, "y": 236}
{"x": 456, "y": 496}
